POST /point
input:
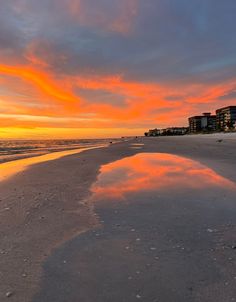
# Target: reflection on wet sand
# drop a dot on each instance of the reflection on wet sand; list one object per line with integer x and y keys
{"x": 154, "y": 171}
{"x": 11, "y": 168}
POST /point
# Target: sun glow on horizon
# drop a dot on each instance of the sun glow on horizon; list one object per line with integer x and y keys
{"x": 66, "y": 133}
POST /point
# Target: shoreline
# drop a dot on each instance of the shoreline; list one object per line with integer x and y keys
{"x": 18, "y": 156}
{"x": 11, "y": 150}
{"x": 10, "y": 168}
{"x": 48, "y": 204}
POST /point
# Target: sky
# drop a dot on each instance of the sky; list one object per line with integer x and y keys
{"x": 110, "y": 68}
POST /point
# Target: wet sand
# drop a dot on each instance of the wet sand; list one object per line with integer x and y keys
{"x": 56, "y": 245}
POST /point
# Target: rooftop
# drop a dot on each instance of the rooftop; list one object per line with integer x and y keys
{"x": 227, "y": 107}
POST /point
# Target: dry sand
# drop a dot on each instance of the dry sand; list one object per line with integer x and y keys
{"x": 47, "y": 205}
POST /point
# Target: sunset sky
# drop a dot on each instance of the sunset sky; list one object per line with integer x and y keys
{"x": 108, "y": 68}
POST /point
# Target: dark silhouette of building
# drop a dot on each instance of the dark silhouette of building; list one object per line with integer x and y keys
{"x": 226, "y": 118}
{"x": 176, "y": 131}
{"x": 168, "y": 131}
{"x": 201, "y": 123}
{"x": 153, "y": 132}
{"x": 195, "y": 124}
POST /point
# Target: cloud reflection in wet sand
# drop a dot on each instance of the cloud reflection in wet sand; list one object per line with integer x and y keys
{"x": 155, "y": 172}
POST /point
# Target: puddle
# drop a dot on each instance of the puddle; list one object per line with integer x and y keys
{"x": 158, "y": 214}
{"x": 11, "y": 168}
{"x": 155, "y": 172}
{"x": 136, "y": 146}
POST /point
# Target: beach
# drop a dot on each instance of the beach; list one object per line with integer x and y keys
{"x": 69, "y": 233}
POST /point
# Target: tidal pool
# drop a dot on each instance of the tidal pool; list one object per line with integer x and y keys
{"x": 150, "y": 172}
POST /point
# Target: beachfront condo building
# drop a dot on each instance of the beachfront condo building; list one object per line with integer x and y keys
{"x": 201, "y": 123}
{"x": 226, "y": 118}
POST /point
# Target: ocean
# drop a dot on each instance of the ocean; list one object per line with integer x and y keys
{"x": 17, "y": 149}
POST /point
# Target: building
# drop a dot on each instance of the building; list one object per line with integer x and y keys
{"x": 176, "y": 131}
{"x": 202, "y": 123}
{"x": 195, "y": 124}
{"x": 226, "y": 118}
{"x": 167, "y": 132}
{"x": 153, "y": 132}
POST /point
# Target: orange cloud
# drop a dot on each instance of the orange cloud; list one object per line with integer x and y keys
{"x": 47, "y": 100}
{"x": 42, "y": 81}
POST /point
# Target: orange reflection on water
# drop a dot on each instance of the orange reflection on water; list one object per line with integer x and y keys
{"x": 11, "y": 168}
{"x": 154, "y": 171}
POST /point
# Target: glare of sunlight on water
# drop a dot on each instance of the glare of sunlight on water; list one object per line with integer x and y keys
{"x": 11, "y": 168}
{"x": 154, "y": 171}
